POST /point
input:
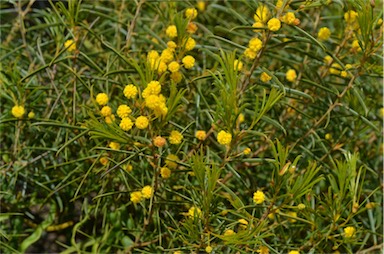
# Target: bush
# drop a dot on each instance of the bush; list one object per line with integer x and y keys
{"x": 216, "y": 126}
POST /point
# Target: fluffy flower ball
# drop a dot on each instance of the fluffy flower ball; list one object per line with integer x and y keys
{"x": 274, "y": 24}
{"x": 159, "y": 141}
{"x": 291, "y": 75}
{"x": 224, "y": 138}
{"x": 174, "y": 66}
{"x": 258, "y": 197}
{"x": 324, "y": 34}
{"x": 142, "y": 122}
{"x": 201, "y": 135}
{"x": 171, "y": 31}
{"x": 106, "y": 111}
{"x": 255, "y": 44}
{"x": 265, "y": 77}
{"x": 130, "y": 91}
{"x": 123, "y": 111}
{"x": 18, "y": 111}
{"x": 136, "y": 197}
{"x": 70, "y": 45}
{"x": 126, "y": 124}
{"x": 102, "y": 99}
{"x": 175, "y": 137}
{"x": 190, "y": 44}
{"x": 349, "y": 232}
{"x": 188, "y": 61}
{"x": 165, "y": 172}
{"x": 147, "y": 192}
{"x": 191, "y": 13}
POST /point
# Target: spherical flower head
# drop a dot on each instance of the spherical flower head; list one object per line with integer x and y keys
{"x": 201, "y": 135}
{"x": 243, "y": 221}
{"x": 250, "y": 54}
{"x": 147, "y": 192}
{"x": 188, "y": 62}
{"x": 349, "y": 232}
{"x": 328, "y": 59}
{"x": 265, "y": 77}
{"x": 153, "y": 102}
{"x": 106, "y": 111}
{"x": 350, "y": 16}
{"x": 136, "y": 197}
{"x": 194, "y": 211}
{"x": 174, "y": 66}
{"x": 274, "y": 24}
{"x": 102, "y": 99}
{"x": 31, "y": 115}
{"x": 114, "y": 145}
{"x": 289, "y": 18}
{"x": 335, "y": 69}
{"x": 191, "y": 28}
{"x": 142, "y": 122}
{"x": 258, "y": 197}
{"x": 165, "y": 172}
{"x": 294, "y": 252}
{"x": 152, "y": 55}
{"x": 159, "y": 141}
{"x": 229, "y": 232}
{"x": 176, "y": 77}
{"x": 247, "y": 151}
{"x": 103, "y": 161}
{"x": 328, "y": 136}
{"x": 292, "y": 214}
{"x": 190, "y": 13}
{"x": 344, "y": 74}
{"x": 123, "y": 111}
{"x": 301, "y": 206}
{"x": 291, "y": 75}
{"x": 70, "y": 45}
{"x": 190, "y": 44}
{"x": 110, "y": 119}
{"x": 129, "y": 167}
{"x": 255, "y": 44}
{"x": 18, "y": 111}
{"x": 201, "y": 5}
{"x": 172, "y": 45}
{"x": 262, "y": 14}
{"x": 237, "y": 65}
{"x": 257, "y": 25}
{"x": 153, "y": 87}
{"x": 175, "y": 137}
{"x": 130, "y": 91}
{"x": 324, "y": 34}
{"x": 171, "y": 161}
{"x": 167, "y": 55}
{"x": 208, "y": 249}
{"x": 161, "y": 67}
{"x": 224, "y": 138}
{"x": 126, "y": 124}
{"x": 240, "y": 118}
{"x": 171, "y": 31}
{"x": 356, "y": 46}
{"x": 263, "y": 250}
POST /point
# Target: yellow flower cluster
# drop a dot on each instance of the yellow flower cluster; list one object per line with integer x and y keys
{"x": 254, "y": 46}
{"x": 102, "y": 99}
{"x": 291, "y": 75}
{"x": 142, "y": 122}
{"x": 349, "y": 232}
{"x": 171, "y": 161}
{"x": 201, "y": 135}
{"x": 194, "y": 211}
{"x": 190, "y": 13}
{"x": 237, "y": 65}
{"x": 126, "y": 124}
{"x": 188, "y": 61}
{"x": 18, "y": 111}
{"x": 289, "y": 18}
{"x": 123, "y": 111}
{"x": 147, "y": 192}
{"x": 130, "y": 91}
{"x": 159, "y": 141}
{"x": 165, "y": 172}
{"x": 175, "y": 137}
{"x": 324, "y": 34}
{"x": 224, "y": 138}
{"x": 262, "y": 14}
{"x": 136, "y": 197}
{"x": 274, "y": 24}
{"x": 114, "y": 145}
{"x": 265, "y": 77}
{"x": 153, "y": 99}
{"x": 258, "y": 197}
{"x": 171, "y": 31}
{"x": 70, "y": 45}
{"x": 106, "y": 111}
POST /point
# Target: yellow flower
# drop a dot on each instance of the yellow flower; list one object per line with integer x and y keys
{"x": 349, "y": 232}
{"x": 188, "y": 61}
{"x": 129, "y": 167}
{"x": 142, "y": 122}
{"x": 191, "y": 28}
{"x": 274, "y": 24}
{"x": 324, "y": 34}
{"x": 291, "y": 75}
{"x": 190, "y": 13}
{"x": 250, "y": 54}
{"x": 265, "y": 77}
{"x": 201, "y": 5}
{"x": 106, "y": 111}
{"x": 224, "y": 138}
{"x": 171, "y": 31}
{"x": 153, "y": 88}
{"x": 237, "y": 65}
{"x": 289, "y": 18}
{"x": 114, "y": 145}
{"x": 171, "y": 45}
{"x": 240, "y": 118}
{"x": 301, "y": 206}
{"x": 153, "y": 102}
{"x": 243, "y": 223}
{"x": 162, "y": 67}
{"x": 104, "y": 161}
{"x": 174, "y": 66}
{"x": 176, "y": 77}
{"x": 262, "y": 14}
{"x": 126, "y": 124}
{"x": 255, "y": 44}
{"x": 335, "y": 69}
{"x": 102, "y": 99}
{"x": 229, "y": 232}
{"x": 372, "y": 205}
{"x": 166, "y": 56}
{"x": 328, "y": 59}
{"x": 123, "y": 111}
{"x": 201, "y": 135}
{"x": 18, "y": 111}
{"x": 159, "y": 141}
{"x": 152, "y": 55}
{"x": 263, "y": 250}
{"x": 356, "y": 46}
{"x": 147, "y": 192}
{"x": 110, "y": 119}
{"x": 328, "y": 136}
{"x": 194, "y": 211}
{"x": 247, "y": 151}
{"x": 190, "y": 44}
{"x": 257, "y": 25}
{"x": 175, "y": 138}
{"x": 343, "y": 74}
{"x": 350, "y": 16}
{"x": 294, "y": 252}
{"x": 208, "y": 249}
{"x": 258, "y": 197}
{"x": 292, "y": 214}
{"x": 31, "y": 115}
{"x": 171, "y": 161}
{"x": 165, "y": 172}
{"x": 70, "y": 45}
{"x": 130, "y": 91}
{"x": 136, "y": 197}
